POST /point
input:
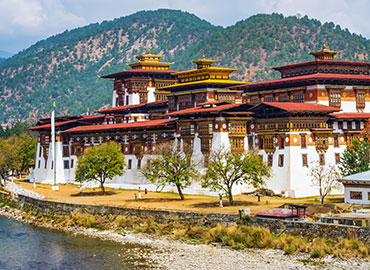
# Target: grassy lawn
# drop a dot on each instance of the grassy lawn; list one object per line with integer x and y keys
{"x": 166, "y": 200}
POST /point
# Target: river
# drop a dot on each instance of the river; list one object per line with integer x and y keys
{"x": 24, "y": 246}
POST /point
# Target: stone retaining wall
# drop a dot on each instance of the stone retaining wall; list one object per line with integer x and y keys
{"x": 159, "y": 216}
{"x": 309, "y": 229}
{"x": 313, "y": 229}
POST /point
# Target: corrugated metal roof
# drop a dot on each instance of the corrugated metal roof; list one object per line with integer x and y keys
{"x": 362, "y": 176}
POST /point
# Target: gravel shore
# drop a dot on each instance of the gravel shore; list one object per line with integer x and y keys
{"x": 178, "y": 254}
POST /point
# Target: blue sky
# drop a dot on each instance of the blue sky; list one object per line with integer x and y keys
{"x": 23, "y": 22}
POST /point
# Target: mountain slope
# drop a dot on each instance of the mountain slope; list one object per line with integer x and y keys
{"x": 262, "y": 41}
{"x": 65, "y": 67}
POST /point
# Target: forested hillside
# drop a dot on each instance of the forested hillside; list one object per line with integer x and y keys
{"x": 65, "y": 67}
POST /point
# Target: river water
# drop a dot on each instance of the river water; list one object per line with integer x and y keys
{"x": 24, "y": 246}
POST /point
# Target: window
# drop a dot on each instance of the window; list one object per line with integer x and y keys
{"x": 65, "y": 151}
{"x": 368, "y": 196}
{"x": 355, "y": 195}
{"x": 304, "y": 160}
{"x": 322, "y": 159}
{"x": 260, "y": 157}
{"x": 269, "y": 160}
{"x": 281, "y": 142}
{"x": 39, "y": 164}
{"x": 336, "y": 140}
{"x": 337, "y": 158}
{"x": 335, "y": 98}
{"x": 148, "y": 163}
{"x": 72, "y": 162}
{"x": 340, "y": 125}
{"x": 237, "y": 144}
{"x": 260, "y": 143}
{"x": 40, "y": 152}
{"x": 139, "y": 164}
{"x": 360, "y": 100}
{"x": 66, "y": 164}
{"x": 46, "y": 164}
{"x": 281, "y": 160}
{"x": 129, "y": 164}
{"x": 298, "y": 97}
{"x": 303, "y": 141}
{"x": 52, "y": 165}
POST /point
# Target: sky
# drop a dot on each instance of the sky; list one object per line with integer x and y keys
{"x": 24, "y": 22}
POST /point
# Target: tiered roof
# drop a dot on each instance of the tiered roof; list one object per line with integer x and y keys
{"x": 123, "y": 126}
{"x": 203, "y": 76}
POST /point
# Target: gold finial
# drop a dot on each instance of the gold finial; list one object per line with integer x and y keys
{"x": 204, "y": 57}
{"x": 324, "y": 46}
{"x": 65, "y": 113}
{"x": 148, "y": 50}
{"x": 88, "y": 109}
{"x": 54, "y": 104}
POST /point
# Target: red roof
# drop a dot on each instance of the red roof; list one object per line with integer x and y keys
{"x": 351, "y": 115}
{"x": 113, "y": 75}
{"x": 206, "y": 109}
{"x": 83, "y": 117}
{"x": 333, "y": 62}
{"x": 316, "y": 76}
{"x": 138, "y": 124}
{"x": 294, "y": 106}
{"x": 121, "y": 108}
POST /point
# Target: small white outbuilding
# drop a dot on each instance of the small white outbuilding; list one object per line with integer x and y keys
{"x": 357, "y": 188}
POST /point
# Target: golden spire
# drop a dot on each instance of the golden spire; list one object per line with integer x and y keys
{"x": 324, "y": 53}
{"x": 148, "y": 50}
{"x": 204, "y": 56}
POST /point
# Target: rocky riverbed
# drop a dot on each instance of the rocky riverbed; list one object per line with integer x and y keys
{"x": 180, "y": 254}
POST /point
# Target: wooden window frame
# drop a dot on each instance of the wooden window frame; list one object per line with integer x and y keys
{"x": 322, "y": 159}
{"x": 336, "y": 140}
{"x": 66, "y": 164}
{"x": 335, "y": 97}
{"x": 355, "y": 195}
{"x": 281, "y": 160}
{"x": 303, "y": 141}
{"x": 304, "y": 160}
{"x": 129, "y": 164}
{"x": 270, "y": 160}
{"x": 337, "y": 158}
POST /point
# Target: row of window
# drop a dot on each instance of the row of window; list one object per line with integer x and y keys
{"x": 304, "y": 159}
{"x": 67, "y": 164}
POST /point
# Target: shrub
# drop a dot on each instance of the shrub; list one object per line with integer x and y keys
{"x": 289, "y": 250}
{"x": 84, "y": 220}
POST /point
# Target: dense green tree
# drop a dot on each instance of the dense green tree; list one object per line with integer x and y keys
{"x": 100, "y": 163}
{"x": 226, "y": 168}
{"x": 356, "y": 157}
{"x": 171, "y": 167}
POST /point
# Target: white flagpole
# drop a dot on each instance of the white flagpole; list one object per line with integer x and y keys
{"x": 55, "y": 187}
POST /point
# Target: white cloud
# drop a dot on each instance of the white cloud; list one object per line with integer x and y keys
{"x": 35, "y": 17}
{"x": 41, "y": 18}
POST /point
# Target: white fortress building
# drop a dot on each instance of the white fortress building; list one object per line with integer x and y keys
{"x": 313, "y": 112}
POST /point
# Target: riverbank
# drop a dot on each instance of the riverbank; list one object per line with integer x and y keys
{"x": 190, "y": 254}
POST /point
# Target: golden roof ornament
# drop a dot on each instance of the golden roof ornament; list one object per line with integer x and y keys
{"x": 324, "y": 53}
{"x": 203, "y": 63}
{"x": 148, "y": 50}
